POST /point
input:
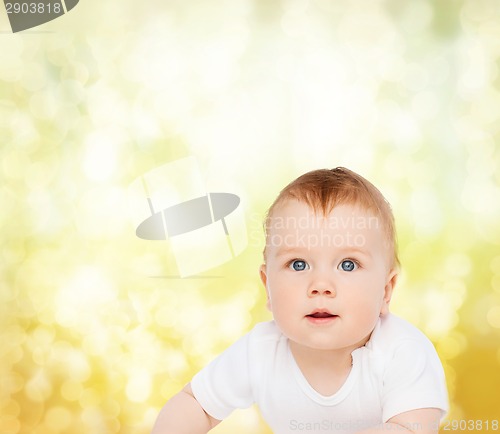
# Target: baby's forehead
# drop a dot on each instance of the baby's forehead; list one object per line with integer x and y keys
{"x": 295, "y": 228}
{"x": 293, "y": 214}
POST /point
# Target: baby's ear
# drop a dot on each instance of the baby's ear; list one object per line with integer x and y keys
{"x": 263, "y": 277}
{"x": 262, "y": 273}
{"x": 392, "y": 278}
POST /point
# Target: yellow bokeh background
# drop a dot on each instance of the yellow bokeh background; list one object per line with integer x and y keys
{"x": 96, "y": 332}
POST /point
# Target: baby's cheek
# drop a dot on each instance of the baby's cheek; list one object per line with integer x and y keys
{"x": 366, "y": 307}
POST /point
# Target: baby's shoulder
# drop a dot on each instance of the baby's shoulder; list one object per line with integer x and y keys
{"x": 267, "y": 340}
{"x": 391, "y": 332}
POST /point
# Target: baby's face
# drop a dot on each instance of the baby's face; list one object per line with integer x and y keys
{"x": 327, "y": 278}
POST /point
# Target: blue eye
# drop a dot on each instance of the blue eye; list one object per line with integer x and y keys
{"x": 348, "y": 265}
{"x": 298, "y": 265}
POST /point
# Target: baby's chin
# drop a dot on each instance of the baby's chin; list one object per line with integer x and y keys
{"x": 326, "y": 343}
{"x": 315, "y": 345}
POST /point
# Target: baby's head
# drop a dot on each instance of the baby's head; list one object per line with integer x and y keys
{"x": 324, "y": 189}
{"x": 330, "y": 261}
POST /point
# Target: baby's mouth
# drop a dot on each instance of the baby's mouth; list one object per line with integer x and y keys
{"x": 321, "y": 314}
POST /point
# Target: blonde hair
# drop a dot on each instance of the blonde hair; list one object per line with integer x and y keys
{"x": 324, "y": 189}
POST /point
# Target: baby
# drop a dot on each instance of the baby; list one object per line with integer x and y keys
{"x": 333, "y": 359}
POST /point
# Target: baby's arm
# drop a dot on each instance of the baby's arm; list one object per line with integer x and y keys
{"x": 421, "y": 421}
{"x": 182, "y": 414}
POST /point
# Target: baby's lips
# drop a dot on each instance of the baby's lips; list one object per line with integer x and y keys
{"x": 321, "y": 313}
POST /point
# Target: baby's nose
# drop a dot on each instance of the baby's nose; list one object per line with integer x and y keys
{"x": 322, "y": 291}
{"x": 321, "y": 286}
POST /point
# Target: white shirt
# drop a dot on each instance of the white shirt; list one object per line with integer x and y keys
{"x": 396, "y": 371}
